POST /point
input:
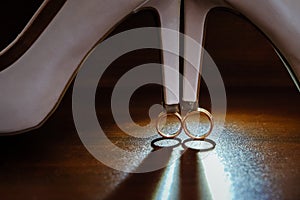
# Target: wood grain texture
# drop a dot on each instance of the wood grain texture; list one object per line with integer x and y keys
{"x": 258, "y": 150}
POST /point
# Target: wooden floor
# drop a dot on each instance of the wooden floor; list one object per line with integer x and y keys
{"x": 256, "y": 156}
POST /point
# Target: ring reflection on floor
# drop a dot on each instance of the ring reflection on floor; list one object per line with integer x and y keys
{"x": 165, "y": 143}
{"x": 199, "y": 145}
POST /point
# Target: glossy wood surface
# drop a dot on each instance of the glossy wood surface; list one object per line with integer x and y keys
{"x": 256, "y": 156}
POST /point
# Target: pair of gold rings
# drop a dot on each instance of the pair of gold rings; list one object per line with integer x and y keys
{"x": 183, "y": 124}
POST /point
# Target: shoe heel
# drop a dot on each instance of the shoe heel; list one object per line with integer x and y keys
{"x": 195, "y": 13}
{"x": 169, "y": 15}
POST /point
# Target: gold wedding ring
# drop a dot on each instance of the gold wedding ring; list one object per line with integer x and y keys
{"x": 198, "y": 111}
{"x": 183, "y": 124}
{"x": 165, "y": 115}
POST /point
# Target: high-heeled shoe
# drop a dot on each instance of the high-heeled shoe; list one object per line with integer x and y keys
{"x": 278, "y": 20}
{"x": 32, "y": 87}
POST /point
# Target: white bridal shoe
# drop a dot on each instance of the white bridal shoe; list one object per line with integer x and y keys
{"x": 34, "y": 84}
{"x": 279, "y": 20}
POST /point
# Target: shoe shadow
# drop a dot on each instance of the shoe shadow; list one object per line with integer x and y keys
{"x": 143, "y": 185}
{"x": 193, "y": 183}
{"x": 182, "y": 179}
